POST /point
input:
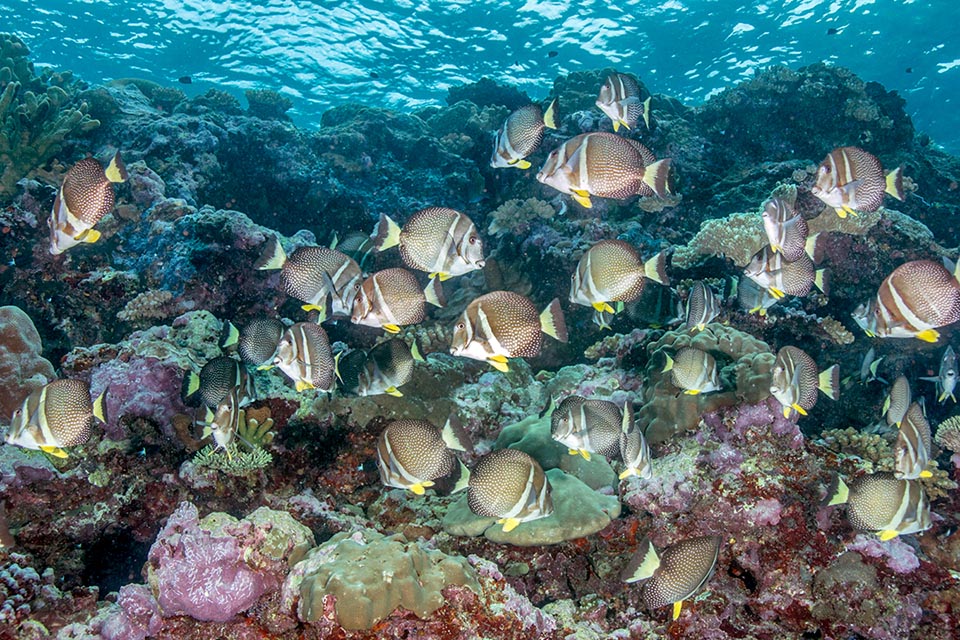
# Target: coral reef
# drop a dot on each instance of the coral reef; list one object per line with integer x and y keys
{"x": 267, "y": 104}
{"x": 23, "y": 369}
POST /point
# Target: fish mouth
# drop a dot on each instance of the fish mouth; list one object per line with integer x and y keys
{"x": 480, "y": 264}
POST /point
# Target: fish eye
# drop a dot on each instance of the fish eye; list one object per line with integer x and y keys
{"x": 472, "y": 240}
{"x": 461, "y": 325}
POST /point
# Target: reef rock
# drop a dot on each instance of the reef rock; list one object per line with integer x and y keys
{"x": 22, "y": 369}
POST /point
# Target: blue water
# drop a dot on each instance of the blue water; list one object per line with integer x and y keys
{"x": 321, "y": 54}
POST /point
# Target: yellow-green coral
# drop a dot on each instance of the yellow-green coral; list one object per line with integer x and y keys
{"x": 737, "y": 237}
{"x": 872, "y": 449}
{"x": 234, "y": 461}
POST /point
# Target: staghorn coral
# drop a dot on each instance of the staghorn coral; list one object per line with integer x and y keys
{"x": 515, "y": 216}
{"x": 835, "y": 329}
{"x": 36, "y": 114}
{"x": 368, "y": 575}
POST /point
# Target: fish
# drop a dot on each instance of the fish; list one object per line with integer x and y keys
{"x": 85, "y": 196}
{"x": 694, "y": 371}
{"x": 897, "y": 401}
{"x": 773, "y": 272}
{"x": 223, "y": 423}
{"x": 304, "y": 355}
{"x": 674, "y": 575}
{"x": 256, "y": 342}
{"x": 416, "y": 455}
{"x": 658, "y": 306}
{"x": 501, "y": 325}
{"x": 913, "y": 301}
{"x": 946, "y": 380}
{"x": 753, "y": 298}
{"x": 356, "y": 244}
{"x": 851, "y": 180}
{"x": 313, "y": 275}
{"x": 350, "y": 365}
{"x": 634, "y": 450}
{"x": 882, "y": 503}
{"x": 509, "y": 485}
{"x": 620, "y": 100}
{"x": 392, "y": 298}
{"x": 703, "y": 307}
{"x": 612, "y": 271}
{"x": 911, "y": 451}
{"x": 60, "y": 414}
{"x": 607, "y": 166}
{"x": 214, "y": 382}
{"x": 185, "y": 80}
{"x": 587, "y": 426}
{"x": 869, "y": 366}
{"x": 521, "y": 135}
{"x": 795, "y": 380}
{"x": 388, "y": 366}
{"x": 602, "y": 318}
{"x": 785, "y": 228}
{"x": 443, "y": 242}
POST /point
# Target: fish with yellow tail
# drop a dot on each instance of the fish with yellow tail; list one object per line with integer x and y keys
{"x": 946, "y": 379}
{"x": 256, "y": 342}
{"x": 216, "y": 378}
{"x": 634, "y": 450}
{"x": 753, "y": 298}
{"x": 416, "y": 455}
{"x": 915, "y": 300}
{"x": 521, "y": 135}
{"x": 607, "y": 166}
{"x": 501, "y": 324}
{"x": 785, "y": 228}
{"x": 911, "y": 451}
{"x": 441, "y": 241}
{"x": 852, "y": 180}
{"x": 85, "y": 196}
{"x": 587, "y": 426}
{"x": 795, "y": 381}
{"x": 509, "y": 485}
{"x": 674, "y": 575}
{"x": 620, "y": 100}
{"x": 324, "y": 280}
{"x": 387, "y": 367}
{"x": 883, "y": 504}
{"x": 223, "y": 423}
{"x": 898, "y": 401}
{"x": 611, "y": 271}
{"x": 779, "y": 277}
{"x": 304, "y": 356}
{"x": 392, "y": 298}
{"x": 693, "y": 370}
{"x": 703, "y": 306}
{"x": 58, "y": 415}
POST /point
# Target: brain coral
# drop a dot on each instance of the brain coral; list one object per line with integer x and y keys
{"x": 22, "y": 369}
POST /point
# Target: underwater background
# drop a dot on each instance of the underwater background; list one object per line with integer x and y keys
{"x": 466, "y": 320}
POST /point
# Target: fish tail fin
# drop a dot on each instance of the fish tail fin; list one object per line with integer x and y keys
{"x": 643, "y": 564}
{"x": 189, "y": 389}
{"x": 813, "y": 248}
{"x": 454, "y": 435}
{"x": 550, "y": 115}
{"x": 386, "y": 234}
{"x": 464, "y": 480}
{"x": 837, "y": 492}
{"x": 229, "y": 335}
{"x": 117, "y": 171}
{"x": 830, "y": 382}
{"x": 657, "y": 177}
{"x": 273, "y": 257}
{"x": 822, "y": 281}
{"x": 956, "y": 270}
{"x": 552, "y": 321}
{"x": 100, "y": 407}
{"x": 415, "y": 351}
{"x": 646, "y": 111}
{"x": 434, "y": 293}
{"x": 656, "y": 268}
{"x": 894, "y": 181}
{"x": 669, "y": 365}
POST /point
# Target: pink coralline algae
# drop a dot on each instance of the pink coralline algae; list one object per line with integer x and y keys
{"x": 137, "y": 618}
{"x": 138, "y": 388}
{"x": 201, "y": 575}
{"x": 898, "y": 555}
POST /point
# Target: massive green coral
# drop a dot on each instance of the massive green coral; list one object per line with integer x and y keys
{"x": 36, "y": 113}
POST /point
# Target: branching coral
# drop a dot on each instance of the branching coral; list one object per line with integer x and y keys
{"x": 871, "y": 448}
{"x": 149, "y": 305}
{"x": 515, "y": 216}
{"x": 36, "y": 115}
{"x": 234, "y": 461}
{"x": 835, "y": 329}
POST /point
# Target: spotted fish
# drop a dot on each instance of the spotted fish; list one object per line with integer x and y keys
{"x": 851, "y": 180}
{"x": 85, "y": 196}
{"x": 753, "y": 298}
{"x": 214, "y": 381}
{"x": 304, "y": 356}
{"x": 946, "y": 379}
{"x": 59, "y": 414}
{"x": 387, "y": 367}
{"x": 911, "y": 451}
{"x": 693, "y": 370}
{"x": 703, "y": 307}
{"x": 795, "y": 381}
{"x": 772, "y": 272}
{"x": 785, "y": 228}
{"x": 883, "y": 503}
{"x": 587, "y": 426}
{"x": 256, "y": 342}
{"x": 416, "y": 455}
{"x": 443, "y": 242}
{"x": 392, "y": 298}
{"x": 501, "y": 325}
{"x": 898, "y": 401}
{"x": 223, "y": 423}
{"x": 676, "y": 574}
{"x": 634, "y": 450}
{"x": 509, "y": 485}
{"x": 620, "y": 100}
{"x": 611, "y": 271}
{"x": 521, "y": 135}
{"x": 914, "y": 301}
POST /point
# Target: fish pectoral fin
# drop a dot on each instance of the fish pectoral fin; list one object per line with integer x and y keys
{"x": 54, "y": 451}
{"x": 929, "y": 335}
{"x": 888, "y": 534}
{"x": 616, "y": 126}
{"x": 266, "y": 367}
{"x": 626, "y": 473}
{"x": 926, "y": 474}
{"x": 603, "y": 307}
{"x": 841, "y": 212}
{"x": 585, "y": 454}
{"x": 417, "y": 488}
{"x": 850, "y": 211}
{"x": 89, "y": 236}
{"x": 509, "y": 524}
{"x": 444, "y": 276}
{"x": 522, "y": 164}
{"x": 303, "y": 385}
{"x": 583, "y": 199}
{"x": 776, "y": 293}
{"x": 677, "y": 606}
{"x": 393, "y": 391}
{"x": 499, "y": 363}
{"x": 798, "y": 409}
{"x": 692, "y": 392}
{"x": 391, "y": 328}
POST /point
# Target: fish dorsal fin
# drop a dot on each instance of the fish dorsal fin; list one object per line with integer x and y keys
{"x": 454, "y": 435}
{"x": 100, "y": 407}
{"x": 434, "y": 293}
{"x": 838, "y": 492}
{"x": 415, "y": 351}
{"x": 464, "y": 479}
